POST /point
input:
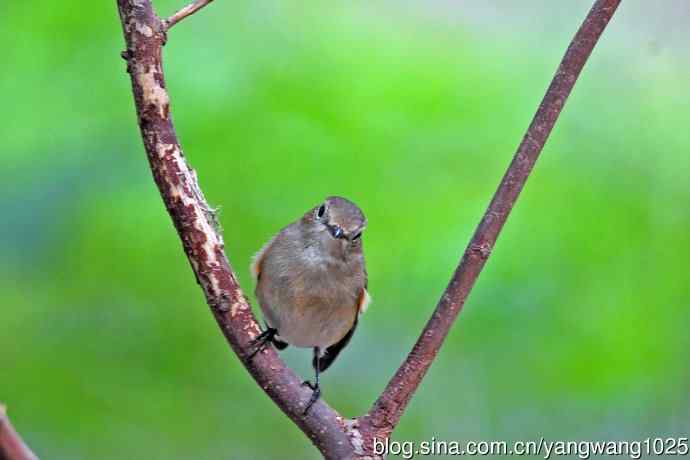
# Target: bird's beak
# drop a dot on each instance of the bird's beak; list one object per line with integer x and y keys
{"x": 336, "y": 231}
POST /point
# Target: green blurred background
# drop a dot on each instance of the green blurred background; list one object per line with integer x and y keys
{"x": 577, "y": 329}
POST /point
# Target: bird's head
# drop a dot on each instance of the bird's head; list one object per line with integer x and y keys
{"x": 338, "y": 223}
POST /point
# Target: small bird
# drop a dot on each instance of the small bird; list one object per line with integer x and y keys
{"x": 311, "y": 284}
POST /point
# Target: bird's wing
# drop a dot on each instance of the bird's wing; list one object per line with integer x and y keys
{"x": 364, "y": 302}
{"x": 334, "y": 350}
{"x": 257, "y": 260}
{"x": 364, "y": 298}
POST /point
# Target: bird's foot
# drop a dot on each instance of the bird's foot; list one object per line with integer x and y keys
{"x": 261, "y": 341}
{"x": 316, "y": 393}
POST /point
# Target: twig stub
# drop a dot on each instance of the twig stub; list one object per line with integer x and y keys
{"x": 184, "y": 12}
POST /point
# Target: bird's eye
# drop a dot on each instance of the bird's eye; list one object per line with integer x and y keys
{"x": 321, "y": 211}
{"x": 356, "y": 237}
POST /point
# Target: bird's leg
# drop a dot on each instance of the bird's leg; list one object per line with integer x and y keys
{"x": 261, "y": 341}
{"x": 316, "y": 389}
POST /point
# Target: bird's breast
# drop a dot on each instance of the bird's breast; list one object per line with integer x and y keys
{"x": 312, "y": 303}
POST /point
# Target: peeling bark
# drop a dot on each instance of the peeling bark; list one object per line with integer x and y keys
{"x": 196, "y": 224}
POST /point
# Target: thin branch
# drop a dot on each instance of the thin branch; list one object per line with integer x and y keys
{"x": 194, "y": 220}
{"x": 386, "y": 411}
{"x": 184, "y": 12}
{"x": 12, "y": 447}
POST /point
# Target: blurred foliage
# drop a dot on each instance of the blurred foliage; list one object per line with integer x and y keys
{"x": 578, "y": 328}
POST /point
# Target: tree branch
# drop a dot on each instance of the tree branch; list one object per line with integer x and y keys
{"x": 11, "y": 445}
{"x": 387, "y": 410}
{"x": 195, "y": 221}
{"x": 184, "y": 12}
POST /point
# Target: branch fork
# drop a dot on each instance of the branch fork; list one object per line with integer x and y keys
{"x": 334, "y": 436}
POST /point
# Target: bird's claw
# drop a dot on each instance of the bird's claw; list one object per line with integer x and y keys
{"x": 307, "y": 383}
{"x": 316, "y": 393}
{"x": 260, "y": 342}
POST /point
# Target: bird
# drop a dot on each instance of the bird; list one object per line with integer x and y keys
{"x": 312, "y": 284}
